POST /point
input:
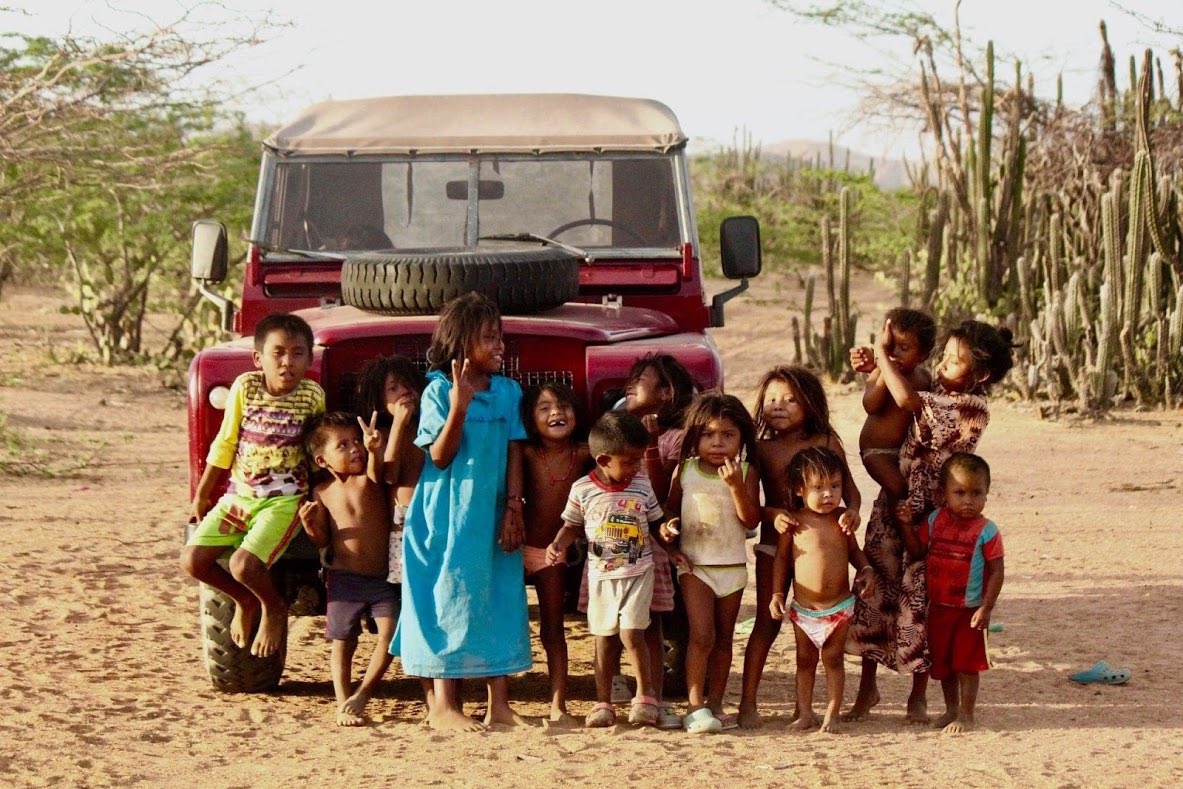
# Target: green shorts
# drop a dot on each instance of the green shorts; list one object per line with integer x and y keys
{"x": 262, "y": 527}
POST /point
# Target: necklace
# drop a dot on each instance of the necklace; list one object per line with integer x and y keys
{"x": 551, "y": 477}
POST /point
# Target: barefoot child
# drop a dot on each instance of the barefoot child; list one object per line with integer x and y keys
{"x": 463, "y": 602}
{"x": 348, "y": 516}
{"x": 819, "y": 552}
{"x": 889, "y": 623}
{"x": 616, "y": 508}
{"x": 261, "y": 444}
{"x": 965, "y": 572}
{"x": 791, "y": 415}
{"x": 553, "y": 461}
{"x": 716, "y": 495}
{"x": 912, "y": 336}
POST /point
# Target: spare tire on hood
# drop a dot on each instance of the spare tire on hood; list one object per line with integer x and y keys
{"x": 521, "y": 279}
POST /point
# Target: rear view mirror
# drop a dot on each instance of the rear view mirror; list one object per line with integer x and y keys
{"x": 209, "y": 251}
{"x": 739, "y": 246}
{"x": 486, "y": 190}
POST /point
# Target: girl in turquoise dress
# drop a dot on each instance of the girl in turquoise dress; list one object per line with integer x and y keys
{"x": 463, "y": 602}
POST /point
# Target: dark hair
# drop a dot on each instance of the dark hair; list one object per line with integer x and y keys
{"x": 370, "y": 392}
{"x": 317, "y": 427}
{"x": 461, "y": 321}
{"x": 812, "y": 463}
{"x": 810, "y": 394}
{"x": 615, "y": 432}
{"x": 291, "y": 325}
{"x": 990, "y": 348}
{"x": 716, "y": 405}
{"x": 917, "y": 323}
{"x": 562, "y": 393}
{"x": 974, "y": 464}
{"x": 671, "y": 374}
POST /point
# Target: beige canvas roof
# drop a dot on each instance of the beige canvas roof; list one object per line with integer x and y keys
{"x": 491, "y": 123}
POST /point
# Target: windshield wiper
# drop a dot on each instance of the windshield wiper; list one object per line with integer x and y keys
{"x": 301, "y": 253}
{"x": 550, "y": 242}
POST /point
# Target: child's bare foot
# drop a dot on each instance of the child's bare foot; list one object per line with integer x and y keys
{"x": 448, "y": 719}
{"x": 243, "y": 623}
{"x": 504, "y": 716}
{"x": 861, "y": 709}
{"x": 270, "y": 636}
{"x": 917, "y": 711}
{"x": 749, "y": 718}
{"x": 960, "y": 725}
{"x": 355, "y": 705}
{"x": 804, "y": 722}
{"x": 830, "y": 724}
{"x": 945, "y": 720}
{"x": 560, "y": 719}
{"x": 346, "y": 717}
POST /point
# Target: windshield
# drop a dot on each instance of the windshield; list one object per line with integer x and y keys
{"x": 609, "y": 206}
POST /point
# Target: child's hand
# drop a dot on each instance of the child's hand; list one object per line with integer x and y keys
{"x": 864, "y": 582}
{"x": 679, "y": 559}
{"x": 650, "y": 423}
{"x": 777, "y": 606}
{"x": 903, "y": 513}
{"x": 981, "y": 618}
{"x": 462, "y": 388}
{"x": 731, "y": 472}
{"x": 670, "y": 530}
{"x": 883, "y": 342}
{"x": 785, "y": 522}
{"x": 849, "y": 521}
{"x": 862, "y": 359}
{"x": 555, "y": 555}
{"x": 309, "y": 514}
{"x": 201, "y": 505}
{"x": 371, "y": 436}
{"x": 513, "y": 531}
{"x": 402, "y": 410}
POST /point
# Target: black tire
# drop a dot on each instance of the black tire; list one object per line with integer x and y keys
{"x": 520, "y": 279}
{"x": 231, "y": 668}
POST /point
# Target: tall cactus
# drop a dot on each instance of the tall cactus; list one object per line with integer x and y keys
{"x": 1108, "y": 319}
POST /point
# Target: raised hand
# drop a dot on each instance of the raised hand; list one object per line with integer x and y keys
{"x": 731, "y": 472}
{"x": 371, "y": 436}
{"x": 670, "y": 530}
{"x": 883, "y": 342}
{"x": 310, "y": 513}
{"x": 462, "y": 387}
{"x": 650, "y": 423}
{"x": 862, "y": 359}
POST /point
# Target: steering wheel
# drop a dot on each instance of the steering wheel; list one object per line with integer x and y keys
{"x": 592, "y": 221}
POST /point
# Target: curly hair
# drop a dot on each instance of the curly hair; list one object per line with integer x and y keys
{"x": 716, "y": 405}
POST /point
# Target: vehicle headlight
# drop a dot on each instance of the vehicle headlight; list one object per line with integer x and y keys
{"x": 218, "y": 396}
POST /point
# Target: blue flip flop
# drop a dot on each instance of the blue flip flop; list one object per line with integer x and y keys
{"x": 1101, "y": 674}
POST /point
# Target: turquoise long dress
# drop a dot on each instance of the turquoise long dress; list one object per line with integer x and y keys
{"x": 463, "y": 598}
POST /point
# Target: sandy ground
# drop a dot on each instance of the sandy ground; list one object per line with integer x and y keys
{"x": 101, "y": 681}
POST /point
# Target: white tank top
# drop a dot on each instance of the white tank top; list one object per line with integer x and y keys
{"x": 711, "y": 530}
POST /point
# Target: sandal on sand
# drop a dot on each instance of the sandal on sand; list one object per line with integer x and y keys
{"x": 602, "y": 716}
{"x": 727, "y": 721}
{"x": 702, "y": 721}
{"x": 667, "y": 718}
{"x": 643, "y": 711}
{"x": 1101, "y": 674}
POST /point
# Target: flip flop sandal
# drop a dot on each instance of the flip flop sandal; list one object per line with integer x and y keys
{"x": 644, "y": 711}
{"x": 1100, "y": 673}
{"x": 667, "y": 718}
{"x": 702, "y": 721}
{"x": 603, "y": 716}
{"x": 727, "y": 721}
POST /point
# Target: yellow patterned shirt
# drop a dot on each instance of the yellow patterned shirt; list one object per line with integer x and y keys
{"x": 261, "y": 440}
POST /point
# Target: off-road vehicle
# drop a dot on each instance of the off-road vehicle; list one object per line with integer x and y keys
{"x": 574, "y": 212}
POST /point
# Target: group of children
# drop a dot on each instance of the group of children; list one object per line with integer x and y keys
{"x": 458, "y": 487}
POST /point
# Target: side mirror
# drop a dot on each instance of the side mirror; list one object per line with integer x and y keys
{"x": 209, "y": 251}
{"x": 739, "y": 246}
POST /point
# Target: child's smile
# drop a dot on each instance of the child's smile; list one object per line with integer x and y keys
{"x": 554, "y": 418}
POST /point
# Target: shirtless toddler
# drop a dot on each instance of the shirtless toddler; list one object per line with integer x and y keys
{"x": 820, "y": 552}
{"x": 349, "y": 518}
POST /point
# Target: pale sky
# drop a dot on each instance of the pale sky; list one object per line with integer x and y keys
{"x": 724, "y": 66}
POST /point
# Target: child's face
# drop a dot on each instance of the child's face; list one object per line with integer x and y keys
{"x": 645, "y": 394}
{"x": 782, "y": 411}
{"x": 620, "y": 467}
{"x": 343, "y": 451}
{"x": 904, "y": 350}
{"x": 955, "y": 372}
{"x": 720, "y": 439}
{"x": 283, "y": 360}
{"x": 395, "y": 393}
{"x": 487, "y": 350}
{"x": 822, "y": 494}
{"x": 554, "y": 418}
{"x": 965, "y": 493}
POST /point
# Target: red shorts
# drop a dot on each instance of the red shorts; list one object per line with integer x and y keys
{"x": 956, "y": 647}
